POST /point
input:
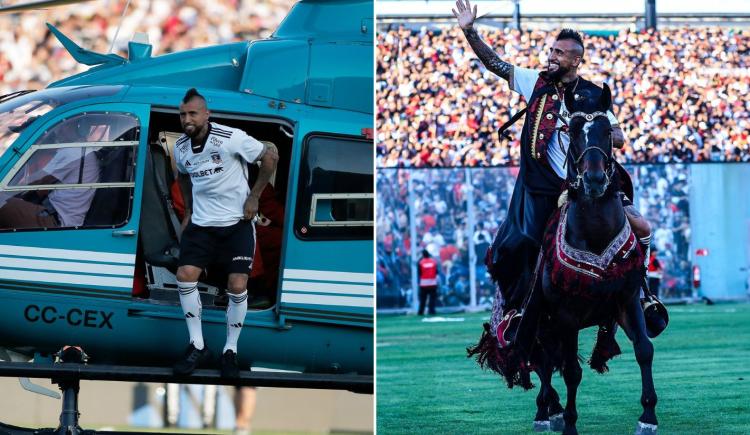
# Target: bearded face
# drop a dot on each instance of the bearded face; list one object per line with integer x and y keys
{"x": 564, "y": 57}
{"x": 556, "y": 72}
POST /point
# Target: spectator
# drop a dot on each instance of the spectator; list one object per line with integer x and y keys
{"x": 244, "y": 408}
{"x": 654, "y": 272}
{"x": 678, "y": 93}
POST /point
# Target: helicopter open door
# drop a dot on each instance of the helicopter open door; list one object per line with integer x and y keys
{"x": 68, "y": 214}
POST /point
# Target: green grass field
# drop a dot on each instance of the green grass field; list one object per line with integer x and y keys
{"x": 426, "y": 385}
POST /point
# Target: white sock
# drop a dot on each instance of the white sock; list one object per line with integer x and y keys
{"x": 192, "y": 308}
{"x": 236, "y": 312}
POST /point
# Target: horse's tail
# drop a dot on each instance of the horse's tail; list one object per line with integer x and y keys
{"x": 605, "y": 349}
{"x": 507, "y": 361}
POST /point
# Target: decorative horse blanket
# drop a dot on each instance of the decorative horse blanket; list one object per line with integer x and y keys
{"x": 583, "y": 273}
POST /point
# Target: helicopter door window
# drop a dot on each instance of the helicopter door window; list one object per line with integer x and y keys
{"x": 19, "y": 110}
{"x": 78, "y": 174}
{"x": 336, "y": 189}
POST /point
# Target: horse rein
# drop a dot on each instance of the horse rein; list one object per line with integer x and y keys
{"x": 589, "y": 117}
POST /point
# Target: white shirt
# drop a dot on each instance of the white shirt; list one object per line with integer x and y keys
{"x": 524, "y": 80}
{"x": 72, "y": 205}
{"x": 218, "y": 174}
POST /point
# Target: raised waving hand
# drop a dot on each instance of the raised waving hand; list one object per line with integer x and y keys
{"x": 465, "y": 15}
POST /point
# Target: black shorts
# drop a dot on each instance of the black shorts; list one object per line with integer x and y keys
{"x": 233, "y": 246}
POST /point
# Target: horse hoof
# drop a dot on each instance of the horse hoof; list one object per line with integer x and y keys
{"x": 556, "y": 422}
{"x": 541, "y": 425}
{"x": 645, "y": 429}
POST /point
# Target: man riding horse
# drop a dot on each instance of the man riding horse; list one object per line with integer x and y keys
{"x": 540, "y": 182}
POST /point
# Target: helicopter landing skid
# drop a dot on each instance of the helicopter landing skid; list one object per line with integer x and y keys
{"x": 68, "y": 416}
{"x": 68, "y": 374}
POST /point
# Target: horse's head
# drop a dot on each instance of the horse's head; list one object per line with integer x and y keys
{"x": 590, "y": 153}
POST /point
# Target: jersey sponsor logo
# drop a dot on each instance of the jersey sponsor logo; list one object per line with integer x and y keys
{"x": 215, "y": 141}
{"x": 216, "y": 158}
{"x": 207, "y": 172}
{"x": 197, "y": 162}
{"x": 240, "y": 258}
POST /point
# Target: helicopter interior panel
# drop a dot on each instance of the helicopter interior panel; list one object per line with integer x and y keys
{"x": 161, "y": 214}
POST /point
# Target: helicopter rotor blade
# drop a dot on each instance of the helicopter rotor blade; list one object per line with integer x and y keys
{"x": 42, "y": 4}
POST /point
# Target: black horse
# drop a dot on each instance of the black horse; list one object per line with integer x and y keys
{"x": 588, "y": 273}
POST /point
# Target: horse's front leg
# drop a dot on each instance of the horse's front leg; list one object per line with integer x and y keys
{"x": 633, "y": 324}
{"x": 572, "y": 373}
{"x": 541, "y": 419}
{"x": 548, "y": 410}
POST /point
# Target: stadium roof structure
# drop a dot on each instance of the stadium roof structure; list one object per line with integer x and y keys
{"x": 546, "y": 9}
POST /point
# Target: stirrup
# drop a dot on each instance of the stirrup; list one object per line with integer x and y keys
{"x": 508, "y": 327}
{"x": 655, "y": 314}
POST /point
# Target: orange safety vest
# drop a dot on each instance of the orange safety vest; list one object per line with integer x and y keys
{"x": 428, "y": 269}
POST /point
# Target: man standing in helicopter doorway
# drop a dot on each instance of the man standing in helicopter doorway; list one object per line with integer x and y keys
{"x": 219, "y": 224}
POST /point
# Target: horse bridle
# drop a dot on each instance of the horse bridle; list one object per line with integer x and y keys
{"x": 589, "y": 117}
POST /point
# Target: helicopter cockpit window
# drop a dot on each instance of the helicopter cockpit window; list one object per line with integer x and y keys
{"x": 78, "y": 174}
{"x": 336, "y": 189}
{"x": 21, "y": 109}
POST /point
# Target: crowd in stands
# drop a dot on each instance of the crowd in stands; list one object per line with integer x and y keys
{"x": 662, "y": 197}
{"x": 441, "y": 201}
{"x": 31, "y": 57}
{"x": 679, "y": 94}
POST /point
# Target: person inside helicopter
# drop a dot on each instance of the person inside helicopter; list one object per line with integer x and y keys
{"x": 67, "y": 165}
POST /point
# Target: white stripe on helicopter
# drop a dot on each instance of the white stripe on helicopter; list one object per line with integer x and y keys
{"x": 66, "y": 266}
{"x": 64, "y": 278}
{"x": 325, "y": 275}
{"x": 67, "y": 254}
{"x": 349, "y": 301}
{"x": 324, "y": 287}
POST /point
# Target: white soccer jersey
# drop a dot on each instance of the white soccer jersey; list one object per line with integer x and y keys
{"x": 218, "y": 173}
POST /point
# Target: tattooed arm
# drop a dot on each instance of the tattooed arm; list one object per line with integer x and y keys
{"x": 489, "y": 58}
{"x": 466, "y": 16}
{"x": 638, "y": 223}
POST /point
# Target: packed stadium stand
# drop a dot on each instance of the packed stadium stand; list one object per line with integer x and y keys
{"x": 679, "y": 94}
{"x": 446, "y": 203}
{"x": 30, "y": 57}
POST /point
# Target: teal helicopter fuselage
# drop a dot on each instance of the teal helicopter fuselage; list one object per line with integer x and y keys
{"x": 309, "y": 90}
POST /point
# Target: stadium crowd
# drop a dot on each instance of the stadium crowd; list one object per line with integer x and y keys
{"x": 442, "y": 198}
{"x": 31, "y": 57}
{"x": 679, "y": 94}
{"x": 441, "y": 201}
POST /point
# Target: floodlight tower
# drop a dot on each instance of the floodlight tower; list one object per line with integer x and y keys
{"x": 650, "y": 15}
{"x": 517, "y": 13}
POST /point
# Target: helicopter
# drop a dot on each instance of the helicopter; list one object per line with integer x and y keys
{"x": 93, "y": 294}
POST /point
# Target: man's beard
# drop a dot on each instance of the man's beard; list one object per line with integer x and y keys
{"x": 196, "y": 131}
{"x": 558, "y": 73}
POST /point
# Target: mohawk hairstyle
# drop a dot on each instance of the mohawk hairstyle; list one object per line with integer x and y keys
{"x": 192, "y": 93}
{"x": 570, "y": 34}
